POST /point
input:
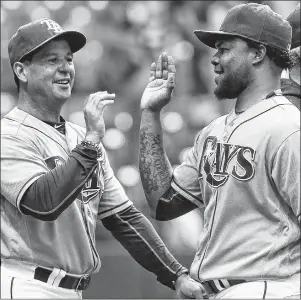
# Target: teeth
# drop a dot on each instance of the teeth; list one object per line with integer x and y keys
{"x": 63, "y": 81}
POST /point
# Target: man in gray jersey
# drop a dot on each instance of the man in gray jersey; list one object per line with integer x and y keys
{"x": 243, "y": 170}
{"x": 57, "y": 183}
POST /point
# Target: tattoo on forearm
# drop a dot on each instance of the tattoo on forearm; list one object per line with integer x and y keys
{"x": 153, "y": 167}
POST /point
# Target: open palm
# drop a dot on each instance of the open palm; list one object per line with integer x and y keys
{"x": 161, "y": 84}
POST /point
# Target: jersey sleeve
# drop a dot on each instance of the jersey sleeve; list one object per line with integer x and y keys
{"x": 286, "y": 171}
{"x": 186, "y": 178}
{"x": 21, "y": 165}
{"x": 114, "y": 198}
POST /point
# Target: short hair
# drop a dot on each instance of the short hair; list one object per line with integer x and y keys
{"x": 281, "y": 58}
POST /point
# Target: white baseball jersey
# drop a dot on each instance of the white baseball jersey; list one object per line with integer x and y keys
{"x": 245, "y": 173}
{"x": 29, "y": 149}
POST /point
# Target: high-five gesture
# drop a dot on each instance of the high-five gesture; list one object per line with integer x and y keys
{"x": 93, "y": 113}
{"x": 161, "y": 84}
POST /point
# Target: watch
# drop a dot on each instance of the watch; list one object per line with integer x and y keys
{"x": 179, "y": 273}
{"x": 93, "y": 145}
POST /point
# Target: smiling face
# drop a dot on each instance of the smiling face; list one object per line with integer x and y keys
{"x": 50, "y": 73}
{"x": 233, "y": 64}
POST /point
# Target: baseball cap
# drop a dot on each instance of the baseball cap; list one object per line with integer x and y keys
{"x": 31, "y": 36}
{"x": 294, "y": 20}
{"x": 256, "y": 22}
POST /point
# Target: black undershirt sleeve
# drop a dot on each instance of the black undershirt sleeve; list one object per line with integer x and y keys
{"x": 54, "y": 191}
{"x": 138, "y": 236}
{"x": 173, "y": 205}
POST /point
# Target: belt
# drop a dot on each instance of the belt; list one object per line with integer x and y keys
{"x": 217, "y": 285}
{"x": 67, "y": 282}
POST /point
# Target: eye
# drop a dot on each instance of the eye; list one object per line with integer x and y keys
{"x": 222, "y": 50}
{"x": 52, "y": 59}
{"x": 70, "y": 59}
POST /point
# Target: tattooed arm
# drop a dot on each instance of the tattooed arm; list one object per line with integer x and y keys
{"x": 154, "y": 166}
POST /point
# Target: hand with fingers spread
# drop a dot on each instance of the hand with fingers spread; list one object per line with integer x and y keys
{"x": 188, "y": 288}
{"x": 93, "y": 113}
{"x": 161, "y": 84}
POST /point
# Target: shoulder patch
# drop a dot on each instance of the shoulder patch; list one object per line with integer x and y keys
{"x": 94, "y": 186}
{"x": 54, "y": 161}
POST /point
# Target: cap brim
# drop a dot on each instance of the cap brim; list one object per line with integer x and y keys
{"x": 209, "y": 38}
{"x": 75, "y": 39}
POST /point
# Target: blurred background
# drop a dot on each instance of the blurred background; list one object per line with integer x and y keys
{"x": 124, "y": 38}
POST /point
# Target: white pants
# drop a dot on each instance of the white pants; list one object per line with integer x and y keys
{"x": 288, "y": 288}
{"x": 17, "y": 288}
{"x": 18, "y": 283}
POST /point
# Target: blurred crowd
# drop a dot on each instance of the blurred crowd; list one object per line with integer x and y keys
{"x": 124, "y": 38}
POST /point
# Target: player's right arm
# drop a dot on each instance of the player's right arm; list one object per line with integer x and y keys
{"x": 42, "y": 193}
{"x": 155, "y": 168}
{"x": 156, "y": 173}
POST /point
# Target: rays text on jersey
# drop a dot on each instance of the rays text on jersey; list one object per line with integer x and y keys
{"x": 219, "y": 160}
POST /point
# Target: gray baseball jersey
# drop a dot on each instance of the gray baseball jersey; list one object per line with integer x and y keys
{"x": 29, "y": 149}
{"x": 245, "y": 173}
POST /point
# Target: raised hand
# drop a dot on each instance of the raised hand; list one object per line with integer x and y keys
{"x": 161, "y": 84}
{"x": 93, "y": 113}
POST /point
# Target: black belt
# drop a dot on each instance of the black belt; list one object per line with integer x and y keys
{"x": 217, "y": 285}
{"x": 67, "y": 282}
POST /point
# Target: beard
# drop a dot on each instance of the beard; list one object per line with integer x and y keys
{"x": 231, "y": 85}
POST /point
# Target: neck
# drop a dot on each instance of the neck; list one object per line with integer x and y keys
{"x": 41, "y": 112}
{"x": 254, "y": 93}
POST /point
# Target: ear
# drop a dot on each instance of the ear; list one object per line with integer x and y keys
{"x": 259, "y": 53}
{"x": 20, "y": 71}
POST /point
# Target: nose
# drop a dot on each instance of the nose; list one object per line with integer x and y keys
{"x": 215, "y": 60}
{"x": 65, "y": 66}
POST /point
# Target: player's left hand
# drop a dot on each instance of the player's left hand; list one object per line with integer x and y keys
{"x": 160, "y": 85}
{"x": 187, "y": 288}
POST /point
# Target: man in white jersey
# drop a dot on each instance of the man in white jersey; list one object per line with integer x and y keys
{"x": 243, "y": 170}
{"x": 57, "y": 183}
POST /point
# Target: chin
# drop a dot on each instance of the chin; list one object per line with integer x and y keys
{"x": 222, "y": 94}
{"x": 227, "y": 90}
{"x": 62, "y": 98}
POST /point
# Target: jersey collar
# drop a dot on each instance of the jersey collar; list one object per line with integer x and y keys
{"x": 27, "y": 119}
{"x": 259, "y": 108}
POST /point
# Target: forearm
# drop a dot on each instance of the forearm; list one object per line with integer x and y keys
{"x": 155, "y": 168}
{"x": 137, "y": 235}
{"x": 173, "y": 205}
{"x": 54, "y": 191}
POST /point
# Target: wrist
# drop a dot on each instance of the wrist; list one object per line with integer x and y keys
{"x": 183, "y": 271}
{"x": 150, "y": 115}
{"x": 149, "y": 110}
{"x": 93, "y": 137}
{"x": 94, "y": 146}
{"x": 181, "y": 274}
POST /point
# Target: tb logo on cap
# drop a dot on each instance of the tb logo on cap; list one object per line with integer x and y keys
{"x": 53, "y": 26}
